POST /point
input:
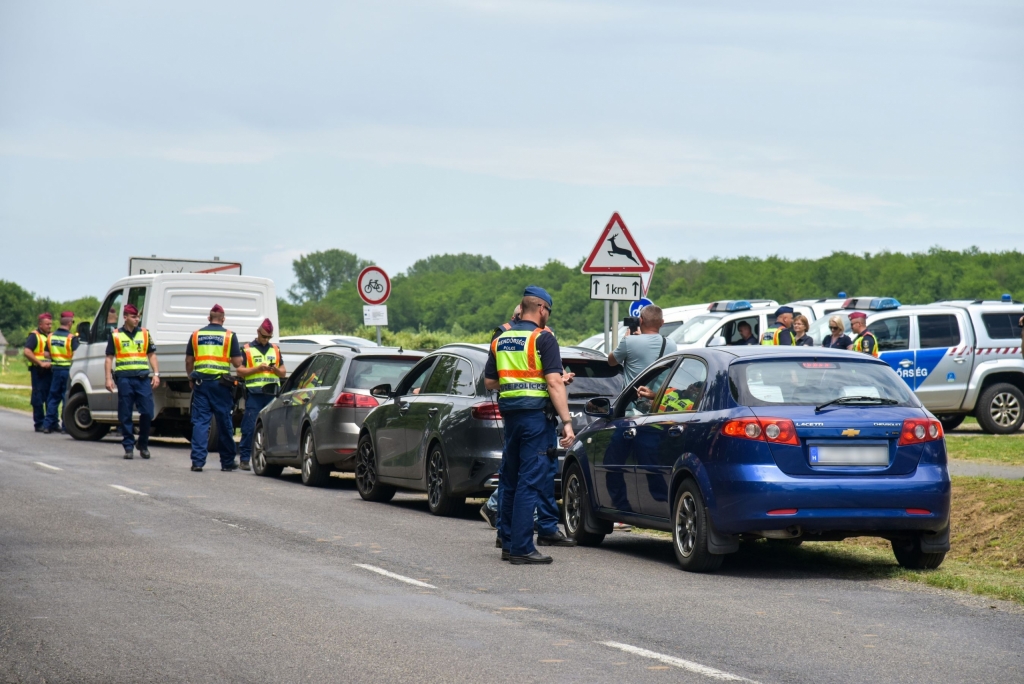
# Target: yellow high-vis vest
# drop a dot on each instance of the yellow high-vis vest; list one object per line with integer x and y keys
{"x": 520, "y": 372}
{"x": 860, "y": 345}
{"x": 254, "y": 357}
{"x": 61, "y": 349}
{"x": 37, "y": 350}
{"x": 211, "y": 349}
{"x": 130, "y": 353}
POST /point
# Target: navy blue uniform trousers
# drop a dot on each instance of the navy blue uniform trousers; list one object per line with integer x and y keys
{"x": 41, "y": 378}
{"x": 134, "y": 392}
{"x": 212, "y": 401}
{"x": 55, "y": 397}
{"x": 254, "y": 403}
{"x": 526, "y": 477}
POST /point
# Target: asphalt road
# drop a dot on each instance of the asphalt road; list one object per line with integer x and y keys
{"x": 228, "y": 577}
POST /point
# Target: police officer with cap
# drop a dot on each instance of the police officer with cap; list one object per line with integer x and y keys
{"x": 262, "y": 370}
{"x": 39, "y": 368}
{"x": 782, "y": 333}
{"x": 209, "y": 357}
{"x": 131, "y": 356}
{"x": 525, "y": 366}
{"x": 60, "y": 345}
{"x": 863, "y": 341}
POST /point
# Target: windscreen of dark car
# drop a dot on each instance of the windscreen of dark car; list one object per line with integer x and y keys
{"x": 366, "y": 372}
{"x": 594, "y": 378}
{"x": 814, "y": 382}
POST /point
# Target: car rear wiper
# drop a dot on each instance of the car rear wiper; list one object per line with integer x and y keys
{"x": 584, "y": 395}
{"x": 858, "y": 400}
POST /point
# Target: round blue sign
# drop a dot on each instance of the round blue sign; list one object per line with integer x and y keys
{"x": 634, "y": 308}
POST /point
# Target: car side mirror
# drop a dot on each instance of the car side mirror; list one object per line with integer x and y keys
{"x": 717, "y": 341}
{"x": 382, "y": 391}
{"x": 598, "y": 406}
{"x": 83, "y": 330}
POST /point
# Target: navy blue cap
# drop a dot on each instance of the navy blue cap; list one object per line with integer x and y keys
{"x": 538, "y": 292}
{"x": 783, "y": 310}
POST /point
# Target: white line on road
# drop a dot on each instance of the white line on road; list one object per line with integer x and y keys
{"x": 130, "y": 491}
{"x": 46, "y": 465}
{"x": 400, "y": 578}
{"x": 678, "y": 662}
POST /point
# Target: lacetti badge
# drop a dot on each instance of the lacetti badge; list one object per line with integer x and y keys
{"x": 850, "y": 433}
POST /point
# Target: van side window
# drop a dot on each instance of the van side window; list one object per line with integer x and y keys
{"x": 938, "y": 331}
{"x": 137, "y": 298}
{"x": 892, "y": 333}
{"x": 1002, "y": 326}
{"x": 106, "y": 319}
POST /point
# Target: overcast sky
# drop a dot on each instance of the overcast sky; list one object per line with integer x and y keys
{"x": 258, "y": 131}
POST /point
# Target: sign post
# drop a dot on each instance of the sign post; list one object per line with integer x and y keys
{"x": 374, "y": 288}
{"x": 614, "y": 254}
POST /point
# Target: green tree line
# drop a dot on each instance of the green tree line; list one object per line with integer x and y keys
{"x": 19, "y": 309}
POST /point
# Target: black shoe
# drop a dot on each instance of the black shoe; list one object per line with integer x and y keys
{"x": 197, "y": 469}
{"x": 505, "y": 553}
{"x": 39, "y": 429}
{"x": 535, "y": 558}
{"x": 244, "y": 465}
{"x": 228, "y": 468}
{"x": 490, "y": 516}
{"x": 128, "y": 455}
{"x": 144, "y": 453}
{"x": 557, "y": 539}
{"x": 47, "y": 431}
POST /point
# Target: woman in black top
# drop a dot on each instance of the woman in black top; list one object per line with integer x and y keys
{"x": 800, "y": 327}
{"x": 838, "y": 339}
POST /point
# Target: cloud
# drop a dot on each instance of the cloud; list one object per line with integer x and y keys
{"x": 216, "y": 209}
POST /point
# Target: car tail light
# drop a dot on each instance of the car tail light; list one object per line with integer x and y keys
{"x": 353, "y": 400}
{"x": 919, "y": 431}
{"x": 487, "y": 410}
{"x": 918, "y": 511}
{"x": 774, "y": 430}
{"x": 783, "y": 511}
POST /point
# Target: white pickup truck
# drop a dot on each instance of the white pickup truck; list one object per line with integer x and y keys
{"x": 172, "y": 305}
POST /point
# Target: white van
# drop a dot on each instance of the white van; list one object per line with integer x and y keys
{"x": 172, "y": 306}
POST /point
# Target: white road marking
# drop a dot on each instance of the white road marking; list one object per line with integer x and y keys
{"x": 130, "y": 491}
{"x": 689, "y": 665}
{"x": 46, "y": 465}
{"x": 400, "y": 578}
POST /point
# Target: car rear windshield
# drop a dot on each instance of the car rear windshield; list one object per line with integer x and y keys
{"x": 367, "y": 372}
{"x": 813, "y": 382}
{"x": 593, "y": 378}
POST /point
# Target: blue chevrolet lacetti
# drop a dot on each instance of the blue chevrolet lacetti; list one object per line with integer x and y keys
{"x": 791, "y": 444}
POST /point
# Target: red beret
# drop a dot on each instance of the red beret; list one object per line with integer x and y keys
{"x": 45, "y": 316}
{"x": 217, "y": 308}
{"x": 267, "y": 326}
{"x": 858, "y": 315}
{"x": 67, "y": 314}
{"x": 130, "y": 309}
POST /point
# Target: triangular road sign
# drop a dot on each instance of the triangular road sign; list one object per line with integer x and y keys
{"x": 616, "y": 251}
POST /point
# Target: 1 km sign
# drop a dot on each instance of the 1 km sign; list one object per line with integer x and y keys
{"x": 374, "y": 285}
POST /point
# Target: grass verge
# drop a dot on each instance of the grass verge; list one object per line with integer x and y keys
{"x": 16, "y": 399}
{"x": 1001, "y": 449}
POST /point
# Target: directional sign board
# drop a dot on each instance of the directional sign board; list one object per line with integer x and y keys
{"x": 374, "y": 285}
{"x": 616, "y": 288}
{"x": 149, "y": 265}
{"x": 616, "y": 252}
{"x": 634, "y": 308}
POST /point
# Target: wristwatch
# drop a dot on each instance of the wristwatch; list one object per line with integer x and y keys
{"x": 156, "y": 375}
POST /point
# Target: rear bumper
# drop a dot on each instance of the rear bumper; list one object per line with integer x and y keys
{"x": 749, "y": 499}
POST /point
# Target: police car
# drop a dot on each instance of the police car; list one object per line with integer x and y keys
{"x": 819, "y": 329}
{"x": 818, "y": 308}
{"x": 720, "y": 325}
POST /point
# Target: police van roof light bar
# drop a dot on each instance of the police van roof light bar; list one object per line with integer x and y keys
{"x": 730, "y": 305}
{"x": 871, "y": 303}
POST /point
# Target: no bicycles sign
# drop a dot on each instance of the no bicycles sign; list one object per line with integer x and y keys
{"x": 374, "y": 285}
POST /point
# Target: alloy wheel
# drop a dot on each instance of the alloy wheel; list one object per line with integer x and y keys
{"x": 573, "y": 505}
{"x": 366, "y": 467}
{"x": 435, "y": 478}
{"x": 686, "y": 525}
{"x": 1005, "y": 409}
{"x": 259, "y": 459}
{"x": 307, "y": 457}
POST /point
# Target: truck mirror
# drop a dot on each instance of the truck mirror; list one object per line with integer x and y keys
{"x": 83, "y": 329}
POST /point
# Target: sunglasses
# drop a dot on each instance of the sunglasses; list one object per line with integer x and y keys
{"x": 547, "y": 307}
{"x": 834, "y": 327}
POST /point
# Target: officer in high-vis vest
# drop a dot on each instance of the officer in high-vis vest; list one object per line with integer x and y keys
{"x": 60, "y": 345}
{"x": 132, "y": 368}
{"x": 262, "y": 370}
{"x": 209, "y": 357}
{"x": 525, "y": 367}
{"x": 782, "y": 333}
{"x": 39, "y": 368}
{"x": 863, "y": 341}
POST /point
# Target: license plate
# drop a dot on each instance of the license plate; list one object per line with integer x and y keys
{"x": 849, "y": 455}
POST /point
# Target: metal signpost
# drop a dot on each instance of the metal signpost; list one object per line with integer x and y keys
{"x": 374, "y": 288}
{"x": 616, "y": 252}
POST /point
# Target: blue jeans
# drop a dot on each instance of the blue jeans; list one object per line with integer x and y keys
{"x": 58, "y": 385}
{"x": 134, "y": 392}
{"x": 254, "y": 403}
{"x": 526, "y": 478}
{"x": 41, "y": 378}
{"x": 548, "y": 508}
{"x": 212, "y": 401}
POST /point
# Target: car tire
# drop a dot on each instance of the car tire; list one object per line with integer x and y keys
{"x": 259, "y": 454}
{"x": 370, "y": 488}
{"x": 79, "y": 422}
{"x": 910, "y": 556}
{"x": 440, "y": 500}
{"x": 951, "y": 422}
{"x": 1000, "y": 409}
{"x": 313, "y": 473}
{"x": 576, "y": 508}
{"x": 690, "y": 530}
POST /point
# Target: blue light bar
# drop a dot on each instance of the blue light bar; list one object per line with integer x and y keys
{"x": 730, "y": 305}
{"x": 1007, "y": 298}
{"x": 883, "y": 303}
{"x": 842, "y": 295}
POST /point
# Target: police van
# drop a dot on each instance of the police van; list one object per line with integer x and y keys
{"x": 719, "y": 326}
{"x": 819, "y": 329}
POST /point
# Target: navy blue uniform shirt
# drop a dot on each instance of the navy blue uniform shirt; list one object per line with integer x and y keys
{"x": 842, "y": 342}
{"x": 151, "y": 349}
{"x": 234, "y": 351}
{"x": 551, "y": 362}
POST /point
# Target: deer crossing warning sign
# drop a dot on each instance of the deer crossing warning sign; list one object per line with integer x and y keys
{"x": 616, "y": 251}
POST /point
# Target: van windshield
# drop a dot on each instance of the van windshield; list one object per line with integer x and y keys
{"x": 813, "y": 382}
{"x": 694, "y": 329}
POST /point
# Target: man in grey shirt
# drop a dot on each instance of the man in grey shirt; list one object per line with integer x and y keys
{"x": 637, "y": 352}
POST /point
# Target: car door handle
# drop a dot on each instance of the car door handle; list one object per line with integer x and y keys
{"x": 960, "y": 360}
{"x": 675, "y": 430}
{"x": 432, "y": 412}
{"x": 629, "y": 434}
{"x": 286, "y": 402}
